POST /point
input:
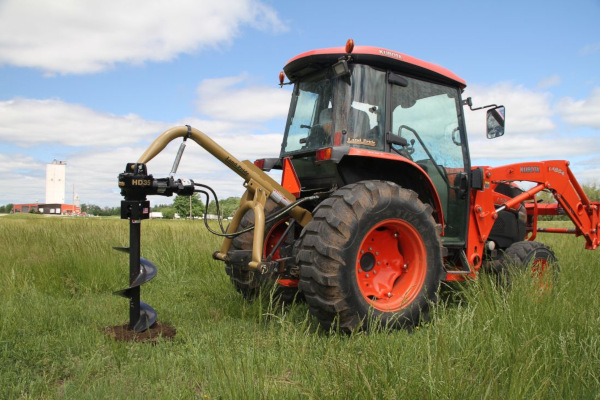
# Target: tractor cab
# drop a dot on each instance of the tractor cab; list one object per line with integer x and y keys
{"x": 368, "y": 113}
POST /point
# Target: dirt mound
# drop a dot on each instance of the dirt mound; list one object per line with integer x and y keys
{"x": 156, "y": 331}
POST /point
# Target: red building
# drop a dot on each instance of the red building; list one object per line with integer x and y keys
{"x": 50, "y": 209}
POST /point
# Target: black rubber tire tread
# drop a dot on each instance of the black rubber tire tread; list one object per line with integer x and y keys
{"x": 248, "y": 282}
{"x": 520, "y": 255}
{"x": 327, "y": 248}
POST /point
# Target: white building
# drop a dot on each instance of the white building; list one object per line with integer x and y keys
{"x": 55, "y": 182}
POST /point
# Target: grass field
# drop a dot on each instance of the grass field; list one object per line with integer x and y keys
{"x": 57, "y": 276}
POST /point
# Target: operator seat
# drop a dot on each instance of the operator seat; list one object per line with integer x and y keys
{"x": 325, "y": 120}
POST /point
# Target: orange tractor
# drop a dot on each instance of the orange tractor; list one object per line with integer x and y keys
{"x": 378, "y": 203}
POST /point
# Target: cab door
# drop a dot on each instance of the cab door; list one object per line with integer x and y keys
{"x": 428, "y": 116}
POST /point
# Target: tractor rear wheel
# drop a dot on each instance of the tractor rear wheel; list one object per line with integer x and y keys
{"x": 372, "y": 249}
{"x": 533, "y": 256}
{"x": 249, "y": 282}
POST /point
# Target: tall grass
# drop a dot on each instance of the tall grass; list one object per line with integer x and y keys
{"x": 57, "y": 276}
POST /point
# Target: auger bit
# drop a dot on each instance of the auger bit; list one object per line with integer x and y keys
{"x": 135, "y": 208}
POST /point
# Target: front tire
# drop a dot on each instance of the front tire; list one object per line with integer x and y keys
{"x": 535, "y": 257}
{"x": 372, "y": 249}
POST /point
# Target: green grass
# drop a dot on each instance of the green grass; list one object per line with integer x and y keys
{"x": 57, "y": 276}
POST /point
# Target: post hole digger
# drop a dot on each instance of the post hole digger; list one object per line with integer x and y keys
{"x": 378, "y": 203}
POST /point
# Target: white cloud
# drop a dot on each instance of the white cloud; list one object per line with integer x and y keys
{"x": 233, "y": 99}
{"x": 591, "y": 48}
{"x": 23, "y": 178}
{"x": 31, "y": 189}
{"x": 98, "y": 145}
{"x": 94, "y": 171}
{"x": 588, "y": 171}
{"x": 527, "y": 112}
{"x": 533, "y": 147}
{"x": 30, "y": 122}
{"x": 549, "y": 82}
{"x": 582, "y": 112}
{"x": 243, "y": 144}
{"x": 18, "y": 162}
{"x": 72, "y": 36}
{"x": 531, "y": 133}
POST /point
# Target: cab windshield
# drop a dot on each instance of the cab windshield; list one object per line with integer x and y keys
{"x": 426, "y": 115}
{"x": 328, "y": 111}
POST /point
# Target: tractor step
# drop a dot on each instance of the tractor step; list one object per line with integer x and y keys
{"x": 466, "y": 266}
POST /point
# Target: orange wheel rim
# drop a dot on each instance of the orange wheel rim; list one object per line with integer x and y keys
{"x": 540, "y": 270}
{"x": 540, "y": 267}
{"x": 391, "y": 265}
{"x": 272, "y": 238}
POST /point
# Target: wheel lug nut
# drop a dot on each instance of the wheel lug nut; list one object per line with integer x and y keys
{"x": 405, "y": 266}
{"x": 359, "y": 270}
{"x": 367, "y": 275}
{"x": 389, "y": 294}
{"x": 374, "y": 272}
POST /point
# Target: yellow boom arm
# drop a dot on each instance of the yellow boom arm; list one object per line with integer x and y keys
{"x": 259, "y": 187}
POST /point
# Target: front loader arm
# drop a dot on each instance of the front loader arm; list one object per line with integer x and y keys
{"x": 555, "y": 176}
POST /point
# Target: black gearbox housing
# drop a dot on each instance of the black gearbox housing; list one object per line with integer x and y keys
{"x": 511, "y": 226}
{"x": 136, "y": 184}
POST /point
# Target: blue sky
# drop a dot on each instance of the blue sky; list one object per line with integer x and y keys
{"x": 94, "y": 82}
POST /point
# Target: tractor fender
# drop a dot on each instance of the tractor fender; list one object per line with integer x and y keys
{"x": 359, "y": 165}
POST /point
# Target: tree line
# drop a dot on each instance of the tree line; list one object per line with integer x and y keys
{"x": 184, "y": 206}
{"x": 227, "y": 207}
{"x": 181, "y": 206}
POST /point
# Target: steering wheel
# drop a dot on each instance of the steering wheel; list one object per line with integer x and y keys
{"x": 438, "y": 167}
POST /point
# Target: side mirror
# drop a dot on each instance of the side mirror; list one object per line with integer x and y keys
{"x": 495, "y": 122}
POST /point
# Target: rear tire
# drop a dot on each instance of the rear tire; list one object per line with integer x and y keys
{"x": 352, "y": 257}
{"x": 249, "y": 282}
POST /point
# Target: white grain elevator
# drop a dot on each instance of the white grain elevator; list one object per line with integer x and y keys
{"x": 55, "y": 182}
